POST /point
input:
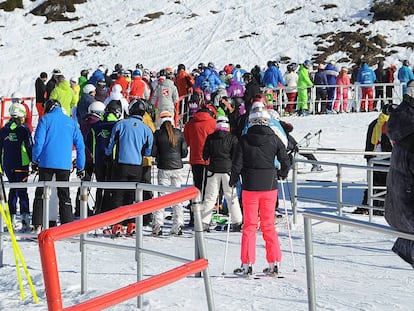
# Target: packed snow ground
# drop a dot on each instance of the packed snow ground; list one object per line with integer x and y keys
{"x": 355, "y": 269}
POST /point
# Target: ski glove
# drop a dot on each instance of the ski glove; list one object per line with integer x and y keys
{"x": 81, "y": 174}
{"x": 281, "y": 176}
{"x": 35, "y": 167}
{"x": 233, "y": 180}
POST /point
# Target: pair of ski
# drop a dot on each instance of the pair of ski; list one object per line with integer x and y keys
{"x": 254, "y": 276}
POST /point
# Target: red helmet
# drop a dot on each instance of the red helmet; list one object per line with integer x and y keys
{"x": 211, "y": 109}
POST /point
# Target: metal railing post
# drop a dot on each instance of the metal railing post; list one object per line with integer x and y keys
{"x": 313, "y": 100}
{"x": 310, "y": 273}
{"x": 339, "y": 191}
{"x": 201, "y": 251}
{"x": 46, "y": 205}
{"x": 84, "y": 255}
{"x": 370, "y": 190}
{"x": 295, "y": 192}
{"x": 139, "y": 235}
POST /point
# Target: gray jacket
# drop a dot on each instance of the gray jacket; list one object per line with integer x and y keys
{"x": 165, "y": 96}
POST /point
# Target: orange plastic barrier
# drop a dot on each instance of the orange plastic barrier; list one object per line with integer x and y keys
{"x": 48, "y": 237}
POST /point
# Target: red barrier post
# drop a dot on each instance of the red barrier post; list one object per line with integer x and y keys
{"x": 47, "y": 238}
{"x": 140, "y": 288}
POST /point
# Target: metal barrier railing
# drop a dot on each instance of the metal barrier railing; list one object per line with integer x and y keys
{"x": 310, "y": 269}
{"x": 354, "y": 95}
{"x": 139, "y": 250}
{"x": 370, "y": 168}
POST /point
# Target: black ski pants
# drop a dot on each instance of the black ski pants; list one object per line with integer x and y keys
{"x": 65, "y": 205}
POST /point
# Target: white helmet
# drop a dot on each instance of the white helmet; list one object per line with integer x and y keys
{"x": 17, "y": 110}
{"x": 163, "y": 117}
{"x": 223, "y": 123}
{"x": 257, "y": 106}
{"x": 259, "y": 118}
{"x": 96, "y": 108}
{"x": 88, "y": 88}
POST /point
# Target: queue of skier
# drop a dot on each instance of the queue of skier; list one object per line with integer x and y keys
{"x": 231, "y": 129}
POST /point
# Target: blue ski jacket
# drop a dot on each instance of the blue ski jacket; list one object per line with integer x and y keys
{"x": 133, "y": 139}
{"x": 55, "y": 135}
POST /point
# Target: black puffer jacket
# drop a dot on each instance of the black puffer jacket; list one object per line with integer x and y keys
{"x": 169, "y": 157}
{"x": 255, "y": 159}
{"x": 219, "y": 148}
{"x": 399, "y": 203}
{"x": 252, "y": 89}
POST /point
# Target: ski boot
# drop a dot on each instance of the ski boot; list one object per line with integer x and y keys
{"x": 25, "y": 222}
{"x": 272, "y": 270}
{"x": 117, "y": 230}
{"x": 131, "y": 229}
{"x": 156, "y": 230}
{"x": 316, "y": 168}
{"x": 245, "y": 270}
{"x": 176, "y": 230}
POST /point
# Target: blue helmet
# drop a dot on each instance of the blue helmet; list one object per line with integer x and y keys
{"x": 136, "y": 73}
{"x": 307, "y": 63}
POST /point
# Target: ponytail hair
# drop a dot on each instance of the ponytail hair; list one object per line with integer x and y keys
{"x": 170, "y": 133}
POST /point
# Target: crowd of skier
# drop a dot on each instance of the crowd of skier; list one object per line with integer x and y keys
{"x": 118, "y": 122}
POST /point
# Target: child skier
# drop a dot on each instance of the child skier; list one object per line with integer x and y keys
{"x": 15, "y": 154}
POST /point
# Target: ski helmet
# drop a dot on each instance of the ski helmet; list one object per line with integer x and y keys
{"x": 162, "y": 73}
{"x": 406, "y": 62}
{"x": 258, "y": 106}
{"x": 84, "y": 73}
{"x": 201, "y": 66}
{"x": 136, "y": 73}
{"x": 101, "y": 83}
{"x": 307, "y": 63}
{"x": 181, "y": 67}
{"x": 237, "y": 101}
{"x": 17, "y": 110}
{"x": 114, "y": 107}
{"x": 96, "y": 108}
{"x": 118, "y": 67}
{"x": 165, "y": 116}
{"x": 170, "y": 75}
{"x": 223, "y": 124}
{"x": 137, "y": 107}
{"x": 247, "y": 77}
{"x": 211, "y": 109}
{"x": 50, "y": 104}
{"x": 259, "y": 118}
{"x": 88, "y": 89}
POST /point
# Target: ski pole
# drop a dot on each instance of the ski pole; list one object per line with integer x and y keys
{"x": 5, "y": 213}
{"x": 288, "y": 226}
{"x": 18, "y": 253}
{"x": 227, "y": 234}
{"x": 188, "y": 176}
